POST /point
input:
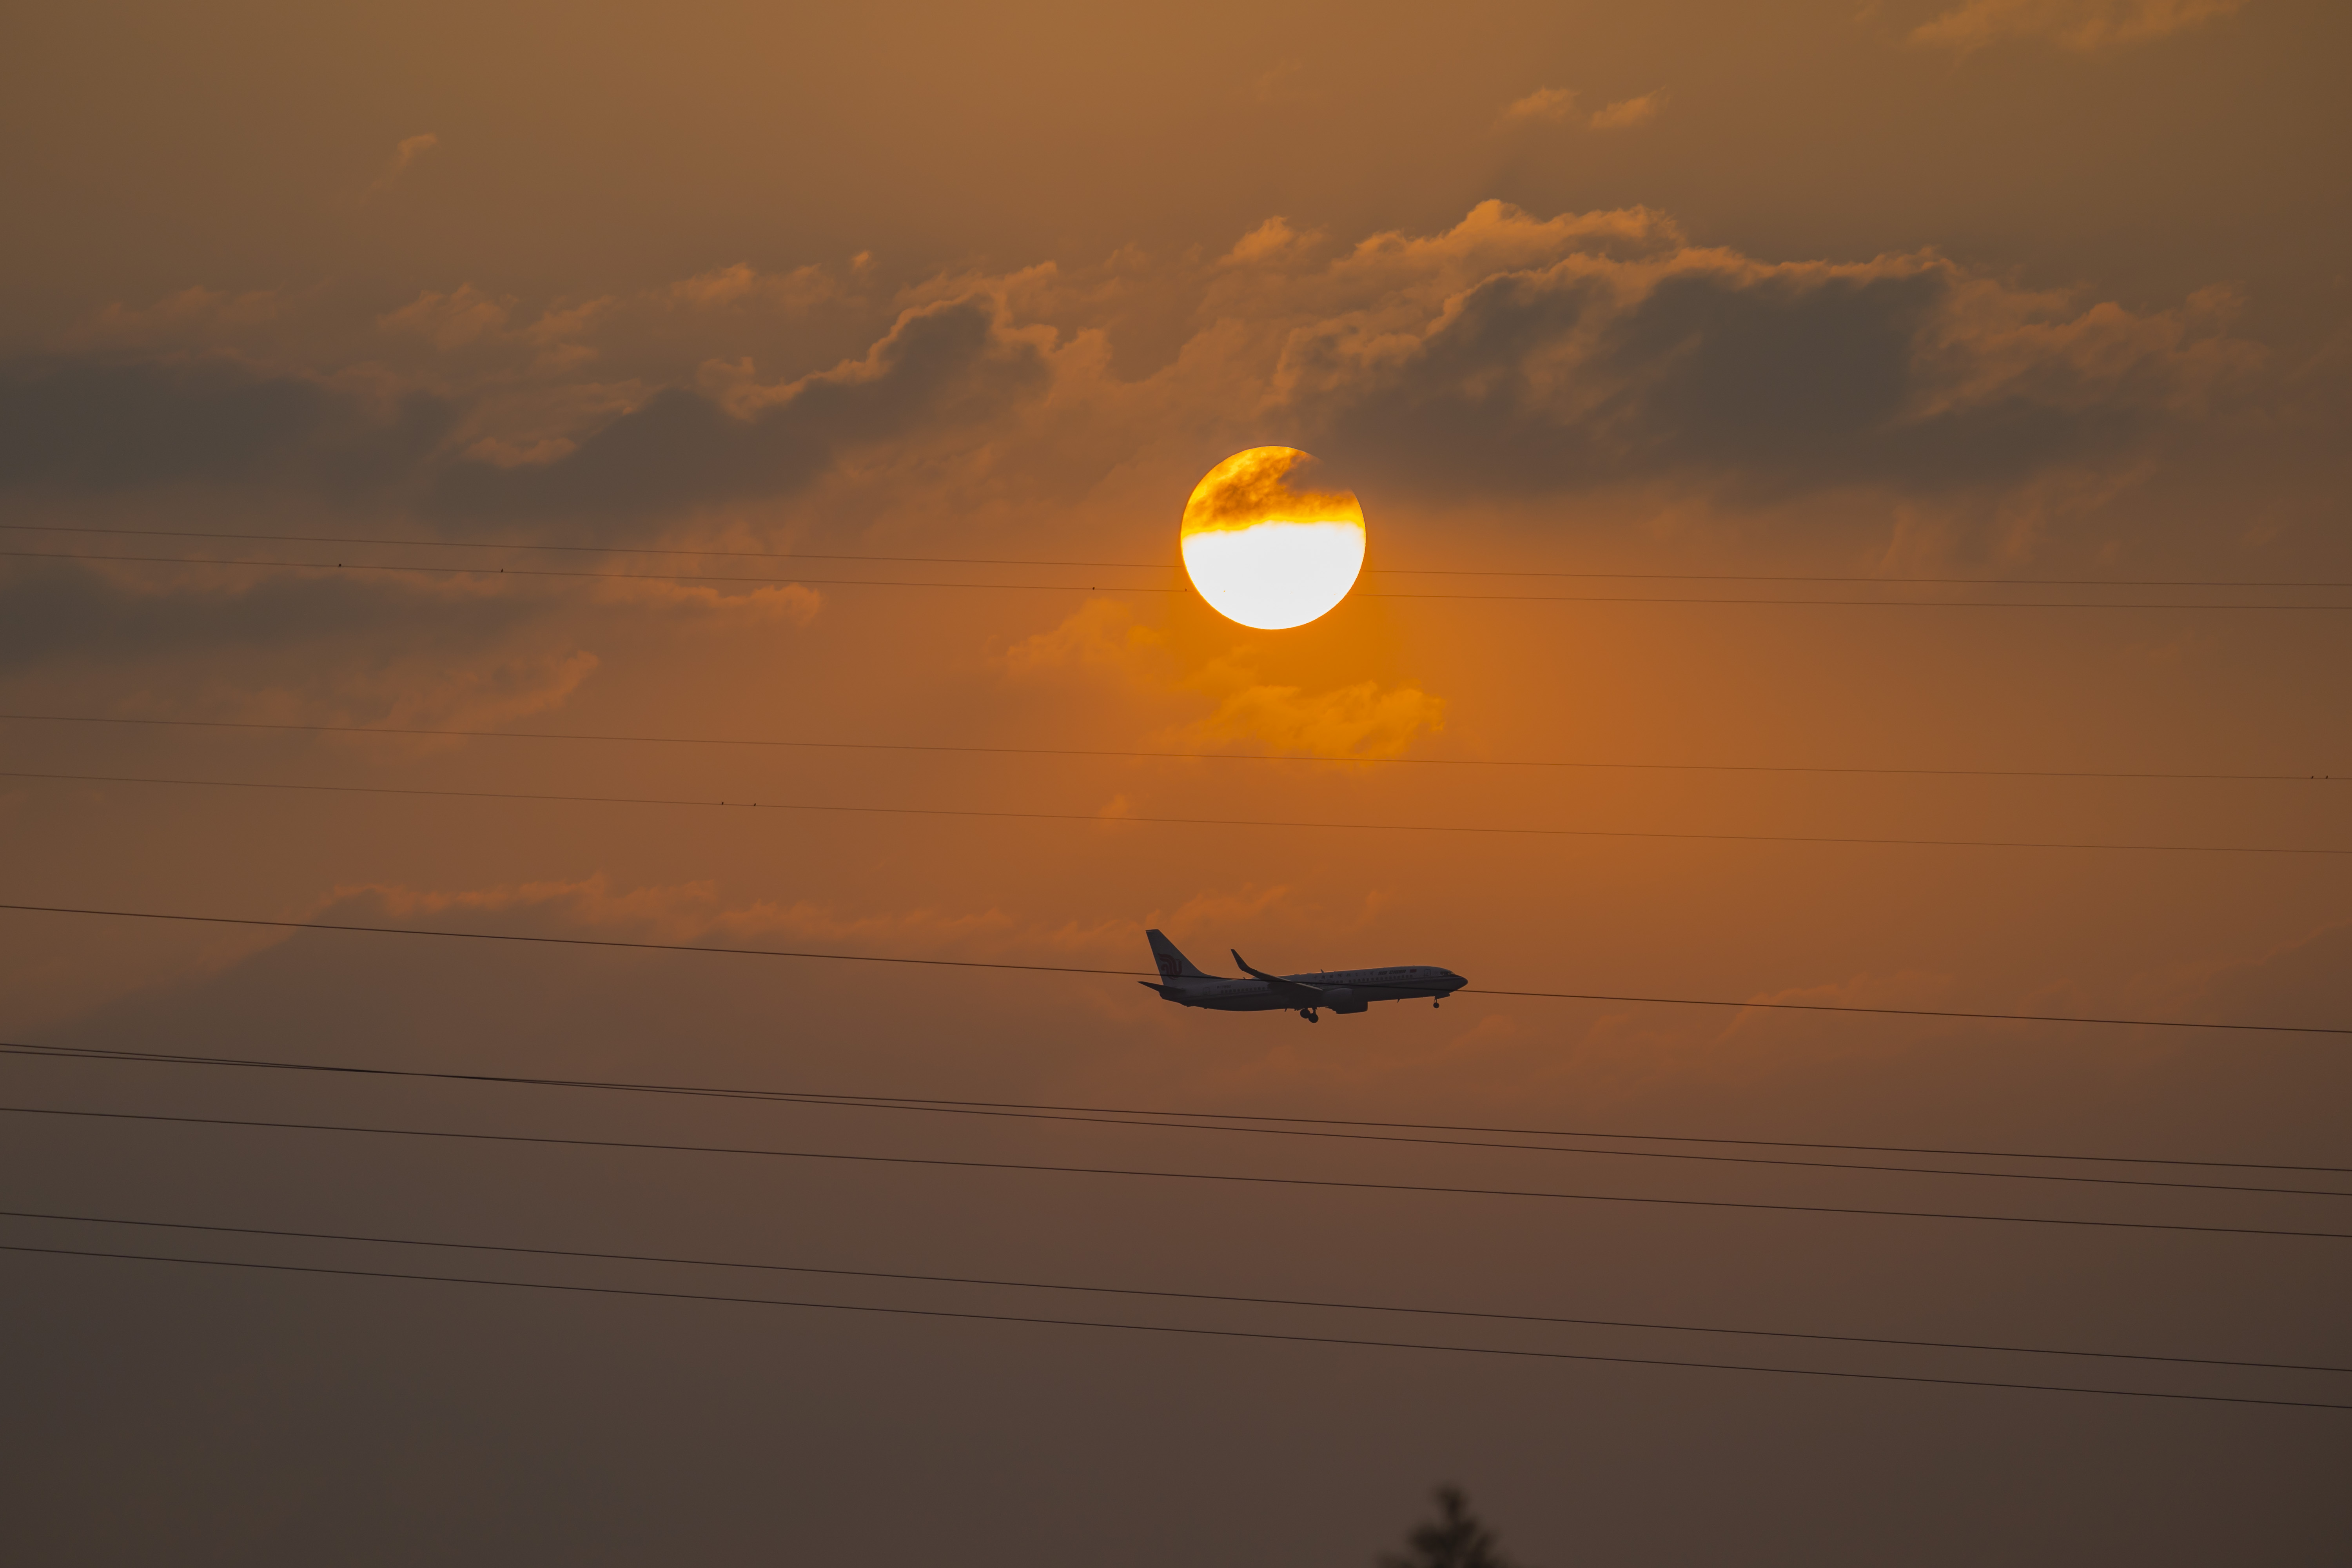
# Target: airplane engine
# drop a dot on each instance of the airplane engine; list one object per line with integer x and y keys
{"x": 1341, "y": 999}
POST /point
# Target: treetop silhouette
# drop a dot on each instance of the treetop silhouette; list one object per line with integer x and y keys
{"x": 1454, "y": 1540}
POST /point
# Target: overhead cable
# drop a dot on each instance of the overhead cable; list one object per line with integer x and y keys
{"x": 748, "y": 579}
{"x": 400, "y": 730}
{"x": 1038, "y": 1168}
{"x": 1146, "y": 1118}
{"x": 626, "y": 945}
{"x": 1159, "y": 1328}
{"x": 1532, "y": 1318}
{"x": 535, "y": 797}
{"x": 515, "y": 545}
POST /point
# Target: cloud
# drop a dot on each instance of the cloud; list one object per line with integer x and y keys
{"x": 1358, "y": 720}
{"x": 797, "y": 290}
{"x": 53, "y": 610}
{"x": 449, "y": 321}
{"x": 291, "y": 648}
{"x": 2306, "y": 982}
{"x": 504, "y": 454}
{"x": 1515, "y": 355}
{"x": 1100, "y": 635}
{"x": 1626, "y": 113}
{"x": 100, "y": 423}
{"x": 191, "y": 316}
{"x": 472, "y": 652}
{"x": 697, "y": 911}
{"x": 410, "y": 150}
{"x": 2084, "y": 26}
{"x": 1364, "y": 719}
{"x": 793, "y": 602}
{"x": 1546, "y": 104}
{"x": 686, "y": 911}
{"x": 1268, "y": 240}
{"x": 1509, "y": 355}
{"x": 958, "y": 363}
{"x": 556, "y": 326}
{"x": 95, "y": 423}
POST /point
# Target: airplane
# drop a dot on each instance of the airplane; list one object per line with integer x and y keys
{"x": 1340, "y": 991}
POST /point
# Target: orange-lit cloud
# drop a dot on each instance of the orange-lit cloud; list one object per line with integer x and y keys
{"x": 197, "y": 315}
{"x": 1516, "y": 354}
{"x": 304, "y": 647}
{"x": 1358, "y": 720}
{"x": 504, "y": 454}
{"x": 793, "y": 602}
{"x": 450, "y": 320}
{"x": 797, "y": 290}
{"x": 1545, "y": 105}
{"x": 405, "y": 156}
{"x": 1268, "y": 240}
{"x": 1613, "y": 350}
{"x": 1265, "y": 482}
{"x": 2085, "y": 26}
{"x": 1626, "y": 113}
{"x": 699, "y": 911}
{"x": 1100, "y": 635}
{"x": 1363, "y": 719}
{"x": 2307, "y": 981}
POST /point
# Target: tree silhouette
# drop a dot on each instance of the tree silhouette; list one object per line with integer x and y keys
{"x": 1454, "y": 1540}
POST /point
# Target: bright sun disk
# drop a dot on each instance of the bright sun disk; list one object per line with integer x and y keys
{"x": 1266, "y": 549}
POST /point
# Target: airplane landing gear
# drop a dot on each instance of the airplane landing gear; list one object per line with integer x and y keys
{"x": 1308, "y": 1013}
{"x": 1436, "y": 1004}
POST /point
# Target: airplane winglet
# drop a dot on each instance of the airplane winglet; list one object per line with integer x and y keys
{"x": 1288, "y": 987}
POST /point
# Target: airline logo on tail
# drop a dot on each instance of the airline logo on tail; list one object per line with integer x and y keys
{"x": 1173, "y": 965}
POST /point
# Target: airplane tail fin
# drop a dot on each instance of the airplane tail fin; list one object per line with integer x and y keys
{"x": 1173, "y": 965}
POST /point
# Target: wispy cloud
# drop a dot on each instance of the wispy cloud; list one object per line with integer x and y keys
{"x": 1626, "y": 113}
{"x": 449, "y": 321}
{"x": 2084, "y": 26}
{"x": 410, "y": 150}
{"x": 1545, "y": 105}
{"x": 1365, "y": 720}
{"x": 1536, "y": 354}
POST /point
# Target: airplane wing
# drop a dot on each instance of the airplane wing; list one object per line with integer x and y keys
{"x": 1305, "y": 995}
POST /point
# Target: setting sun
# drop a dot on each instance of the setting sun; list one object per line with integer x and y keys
{"x": 1266, "y": 551}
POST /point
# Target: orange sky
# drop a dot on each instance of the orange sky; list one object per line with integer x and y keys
{"x": 1686, "y": 303}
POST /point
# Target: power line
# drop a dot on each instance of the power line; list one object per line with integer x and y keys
{"x": 1162, "y": 1327}
{"x": 737, "y": 554}
{"x": 1169, "y": 1295}
{"x": 1327, "y": 1183}
{"x": 551, "y": 572}
{"x": 545, "y": 798}
{"x": 1176, "y": 756}
{"x": 1160, "y": 565}
{"x": 625, "y": 946}
{"x": 836, "y": 1097}
{"x": 1128, "y": 1118}
{"x": 1095, "y": 588}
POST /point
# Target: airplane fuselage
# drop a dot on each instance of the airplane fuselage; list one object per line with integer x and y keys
{"x": 1336, "y": 990}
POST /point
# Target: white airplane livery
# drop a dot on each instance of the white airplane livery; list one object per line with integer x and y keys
{"x": 1340, "y": 991}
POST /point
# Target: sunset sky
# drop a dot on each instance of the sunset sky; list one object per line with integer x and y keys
{"x": 1854, "y": 500}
